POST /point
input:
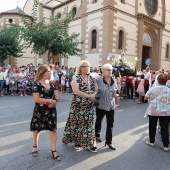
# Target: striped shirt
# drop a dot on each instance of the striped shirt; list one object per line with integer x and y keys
{"x": 106, "y": 93}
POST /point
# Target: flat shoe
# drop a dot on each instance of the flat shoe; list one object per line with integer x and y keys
{"x": 98, "y": 139}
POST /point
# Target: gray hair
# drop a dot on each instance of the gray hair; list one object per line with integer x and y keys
{"x": 80, "y": 64}
{"x": 107, "y": 66}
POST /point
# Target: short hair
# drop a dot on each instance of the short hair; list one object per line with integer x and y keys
{"x": 106, "y": 66}
{"x": 80, "y": 64}
{"x": 40, "y": 72}
{"x": 162, "y": 79}
{"x": 168, "y": 75}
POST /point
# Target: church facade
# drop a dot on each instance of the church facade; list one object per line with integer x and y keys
{"x": 134, "y": 30}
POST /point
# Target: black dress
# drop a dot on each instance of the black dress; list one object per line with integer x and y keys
{"x": 44, "y": 118}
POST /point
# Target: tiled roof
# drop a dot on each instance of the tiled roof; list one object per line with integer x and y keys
{"x": 14, "y": 11}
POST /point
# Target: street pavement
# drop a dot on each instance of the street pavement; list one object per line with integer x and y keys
{"x": 129, "y": 135}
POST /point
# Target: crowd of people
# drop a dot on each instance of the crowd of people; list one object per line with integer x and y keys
{"x": 94, "y": 89}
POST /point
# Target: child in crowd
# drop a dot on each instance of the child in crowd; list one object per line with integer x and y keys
{"x": 56, "y": 79}
{"x": 63, "y": 83}
{"x": 141, "y": 89}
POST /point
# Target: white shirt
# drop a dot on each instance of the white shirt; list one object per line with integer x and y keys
{"x": 156, "y": 81}
{"x": 95, "y": 75}
{"x": 148, "y": 77}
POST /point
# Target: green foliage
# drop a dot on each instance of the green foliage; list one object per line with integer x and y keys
{"x": 52, "y": 38}
{"x": 10, "y": 43}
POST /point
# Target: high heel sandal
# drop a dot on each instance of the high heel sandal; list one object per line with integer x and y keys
{"x": 56, "y": 158}
{"x": 34, "y": 153}
{"x": 110, "y": 146}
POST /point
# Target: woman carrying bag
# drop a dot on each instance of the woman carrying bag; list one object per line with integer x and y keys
{"x": 159, "y": 109}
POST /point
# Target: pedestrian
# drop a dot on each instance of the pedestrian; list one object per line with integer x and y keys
{"x": 141, "y": 89}
{"x": 118, "y": 86}
{"x": 159, "y": 109}
{"x": 44, "y": 115}
{"x": 63, "y": 83}
{"x": 1, "y": 80}
{"x": 22, "y": 83}
{"x": 13, "y": 76}
{"x": 106, "y": 94}
{"x": 79, "y": 127}
{"x": 147, "y": 83}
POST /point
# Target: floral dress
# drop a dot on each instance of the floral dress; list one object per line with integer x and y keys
{"x": 13, "y": 81}
{"x": 79, "y": 127}
{"x": 22, "y": 85}
{"x": 44, "y": 118}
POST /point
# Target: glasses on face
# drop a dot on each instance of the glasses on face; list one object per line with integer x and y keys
{"x": 85, "y": 66}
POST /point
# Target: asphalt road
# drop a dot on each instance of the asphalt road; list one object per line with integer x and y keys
{"x": 129, "y": 135}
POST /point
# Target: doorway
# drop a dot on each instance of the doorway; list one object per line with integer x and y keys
{"x": 146, "y": 53}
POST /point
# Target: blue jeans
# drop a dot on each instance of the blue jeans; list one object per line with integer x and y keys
{"x": 1, "y": 84}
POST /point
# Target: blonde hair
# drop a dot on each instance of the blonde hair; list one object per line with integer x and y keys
{"x": 80, "y": 64}
{"x": 41, "y": 70}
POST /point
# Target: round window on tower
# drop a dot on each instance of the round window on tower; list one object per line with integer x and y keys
{"x": 10, "y": 20}
{"x": 151, "y": 6}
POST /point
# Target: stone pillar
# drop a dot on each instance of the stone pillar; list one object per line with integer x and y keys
{"x": 140, "y": 43}
{"x": 83, "y": 26}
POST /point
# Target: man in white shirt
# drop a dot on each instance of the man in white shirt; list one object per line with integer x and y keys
{"x": 95, "y": 73}
{"x": 147, "y": 78}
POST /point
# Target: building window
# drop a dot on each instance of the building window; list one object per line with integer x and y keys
{"x": 151, "y": 6}
{"x": 122, "y": 1}
{"x": 167, "y": 51}
{"x": 94, "y": 39}
{"x": 59, "y": 15}
{"x": 94, "y": 1}
{"x": 10, "y": 20}
{"x": 121, "y": 36}
{"x": 74, "y": 12}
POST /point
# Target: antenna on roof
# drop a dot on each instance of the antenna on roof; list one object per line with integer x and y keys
{"x": 17, "y": 4}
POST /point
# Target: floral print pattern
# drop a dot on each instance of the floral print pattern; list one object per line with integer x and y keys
{"x": 159, "y": 97}
{"x": 79, "y": 127}
{"x": 44, "y": 118}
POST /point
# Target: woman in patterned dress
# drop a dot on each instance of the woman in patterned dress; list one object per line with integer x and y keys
{"x": 22, "y": 85}
{"x": 44, "y": 115}
{"x": 79, "y": 127}
{"x": 13, "y": 81}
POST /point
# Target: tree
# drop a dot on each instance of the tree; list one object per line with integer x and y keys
{"x": 10, "y": 43}
{"x": 53, "y": 38}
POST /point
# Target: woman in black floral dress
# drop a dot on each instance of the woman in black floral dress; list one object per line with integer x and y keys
{"x": 79, "y": 127}
{"x": 44, "y": 114}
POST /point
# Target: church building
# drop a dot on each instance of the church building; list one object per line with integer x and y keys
{"x": 134, "y": 30}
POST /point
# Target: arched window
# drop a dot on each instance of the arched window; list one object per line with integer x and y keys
{"x": 167, "y": 51}
{"x": 121, "y": 36}
{"x": 74, "y": 12}
{"x": 151, "y": 6}
{"x": 94, "y": 1}
{"x": 122, "y": 1}
{"x": 94, "y": 39}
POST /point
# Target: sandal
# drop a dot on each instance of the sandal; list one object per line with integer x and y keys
{"x": 56, "y": 158}
{"x": 35, "y": 153}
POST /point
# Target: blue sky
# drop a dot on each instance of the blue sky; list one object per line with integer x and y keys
{"x": 6, "y": 5}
